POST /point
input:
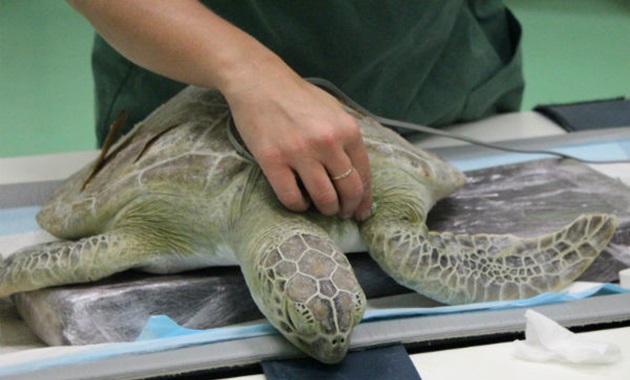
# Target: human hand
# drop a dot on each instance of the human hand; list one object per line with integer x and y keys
{"x": 298, "y": 133}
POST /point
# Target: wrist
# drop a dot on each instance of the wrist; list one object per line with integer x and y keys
{"x": 258, "y": 69}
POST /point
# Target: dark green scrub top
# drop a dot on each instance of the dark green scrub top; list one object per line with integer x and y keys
{"x": 432, "y": 62}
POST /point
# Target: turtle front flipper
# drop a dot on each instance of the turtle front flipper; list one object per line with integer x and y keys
{"x": 457, "y": 269}
{"x": 68, "y": 262}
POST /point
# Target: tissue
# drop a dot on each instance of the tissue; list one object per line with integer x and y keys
{"x": 545, "y": 340}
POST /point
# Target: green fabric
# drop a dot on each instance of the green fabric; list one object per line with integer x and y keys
{"x": 431, "y": 62}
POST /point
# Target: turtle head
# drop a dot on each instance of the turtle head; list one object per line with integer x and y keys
{"x": 321, "y": 326}
{"x": 308, "y": 291}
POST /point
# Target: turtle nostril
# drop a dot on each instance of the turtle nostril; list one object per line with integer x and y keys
{"x": 338, "y": 340}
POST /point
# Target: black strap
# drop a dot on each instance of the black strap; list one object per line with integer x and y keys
{"x": 598, "y": 114}
{"x": 376, "y": 364}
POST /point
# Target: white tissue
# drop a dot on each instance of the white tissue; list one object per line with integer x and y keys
{"x": 545, "y": 340}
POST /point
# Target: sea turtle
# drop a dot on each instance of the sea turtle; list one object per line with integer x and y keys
{"x": 174, "y": 195}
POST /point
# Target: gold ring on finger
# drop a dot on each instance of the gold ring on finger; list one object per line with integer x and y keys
{"x": 342, "y": 175}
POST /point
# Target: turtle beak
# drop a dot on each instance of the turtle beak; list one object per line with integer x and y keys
{"x": 325, "y": 349}
{"x": 323, "y": 341}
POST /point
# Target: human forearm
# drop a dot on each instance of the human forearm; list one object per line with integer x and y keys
{"x": 179, "y": 39}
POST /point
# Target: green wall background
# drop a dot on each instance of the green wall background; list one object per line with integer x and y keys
{"x": 574, "y": 50}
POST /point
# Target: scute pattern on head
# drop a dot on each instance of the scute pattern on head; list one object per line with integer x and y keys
{"x": 316, "y": 298}
{"x": 310, "y": 271}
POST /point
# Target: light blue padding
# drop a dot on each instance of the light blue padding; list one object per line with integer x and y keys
{"x": 596, "y": 151}
{"x": 175, "y": 337}
{"x": 162, "y": 334}
{"x": 542, "y": 299}
{"x": 18, "y": 220}
{"x": 161, "y": 326}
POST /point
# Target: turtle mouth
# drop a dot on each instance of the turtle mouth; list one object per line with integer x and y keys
{"x": 326, "y": 349}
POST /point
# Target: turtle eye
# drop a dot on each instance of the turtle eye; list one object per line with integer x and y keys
{"x": 301, "y": 318}
{"x": 359, "y": 306}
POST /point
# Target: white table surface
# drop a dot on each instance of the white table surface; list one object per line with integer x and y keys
{"x": 493, "y": 361}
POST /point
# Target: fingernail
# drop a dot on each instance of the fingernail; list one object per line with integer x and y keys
{"x": 364, "y": 215}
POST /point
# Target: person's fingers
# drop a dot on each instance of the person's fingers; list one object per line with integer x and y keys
{"x": 350, "y": 171}
{"x": 284, "y": 184}
{"x": 346, "y": 181}
{"x": 337, "y": 181}
{"x": 350, "y": 190}
{"x": 309, "y": 135}
{"x": 319, "y": 187}
{"x": 358, "y": 154}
